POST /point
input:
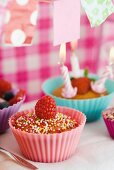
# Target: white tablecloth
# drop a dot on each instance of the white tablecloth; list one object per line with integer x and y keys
{"x": 95, "y": 150}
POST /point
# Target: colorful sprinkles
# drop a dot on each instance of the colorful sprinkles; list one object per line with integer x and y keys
{"x": 109, "y": 114}
{"x": 32, "y": 124}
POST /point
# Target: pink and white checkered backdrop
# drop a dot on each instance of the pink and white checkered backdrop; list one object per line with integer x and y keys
{"x": 29, "y": 66}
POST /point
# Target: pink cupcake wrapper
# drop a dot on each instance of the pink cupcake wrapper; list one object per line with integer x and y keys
{"x": 109, "y": 125}
{"x": 50, "y": 147}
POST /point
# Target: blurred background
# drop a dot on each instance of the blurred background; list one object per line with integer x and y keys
{"x": 29, "y": 66}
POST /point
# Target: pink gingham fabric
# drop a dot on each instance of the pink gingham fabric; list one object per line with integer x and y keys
{"x": 29, "y": 66}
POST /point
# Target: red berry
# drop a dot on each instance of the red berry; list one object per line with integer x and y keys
{"x": 4, "y": 86}
{"x": 19, "y": 96}
{"x": 45, "y": 108}
{"x": 82, "y": 83}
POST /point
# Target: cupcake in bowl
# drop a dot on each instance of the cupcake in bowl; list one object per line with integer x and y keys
{"x": 11, "y": 100}
{"x": 47, "y": 133}
{"x": 88, "y": 102}
{"x": 108, "y": 116}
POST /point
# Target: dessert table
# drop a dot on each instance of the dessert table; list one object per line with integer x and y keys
{"x": 95, "y": 150}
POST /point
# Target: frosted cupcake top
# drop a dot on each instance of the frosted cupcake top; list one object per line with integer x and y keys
{"x": 109, "y": 114}
{"x": 44, "y": 119}
{"x": 32, "y": 124}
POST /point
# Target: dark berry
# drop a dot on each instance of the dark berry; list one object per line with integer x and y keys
{"x": 4, "y": 105}
{"x": 18, "y": 97}
{"x": 8, "y": 96}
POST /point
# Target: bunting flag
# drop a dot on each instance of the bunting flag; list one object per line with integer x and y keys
{"x": 3, "y": 5}
{"x": 66, "y": 25}
{"x": 21, "y": 19}
{"x": 97, "y": 10}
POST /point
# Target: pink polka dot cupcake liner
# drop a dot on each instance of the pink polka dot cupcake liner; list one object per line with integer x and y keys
{"x": 50, "y": 147}
{"x": 108, "y": 117}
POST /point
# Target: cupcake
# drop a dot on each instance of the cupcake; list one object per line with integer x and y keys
{"x": 108, "y": 116}
{"x": 47, "y": 133}
{"x": 87, "y": 101}
{"x": 84, "y": 90}
{"x": 11, "y": 100}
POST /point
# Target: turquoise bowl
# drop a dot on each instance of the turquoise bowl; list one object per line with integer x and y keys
{"x": 92, "y": 108}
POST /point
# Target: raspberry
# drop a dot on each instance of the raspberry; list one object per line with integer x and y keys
{"x": 19, "y": 96}
{"x": 45, "y": 108}
{"x": 4, "y": 86}
{"x": 82, "y": 83}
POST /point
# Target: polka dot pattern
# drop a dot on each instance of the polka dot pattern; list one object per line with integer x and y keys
{"x": 22, "y": 2}
{"x": 98, "y": 10}
{"x": 20, "y": 22}
{"x": 2, "y": 18}
{"x": 33, "y": 17}
{"x": 18, "y": 37}
{"x": 7, "y": 16}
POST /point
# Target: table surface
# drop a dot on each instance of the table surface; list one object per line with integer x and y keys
{"x": 95, "y": 150}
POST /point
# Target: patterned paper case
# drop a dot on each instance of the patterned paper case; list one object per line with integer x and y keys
{"x": 92, "y": 108}
{"x": 6, "y": 113}
{"x": 108, "y": 116}
{"x": 54, "y": 147}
